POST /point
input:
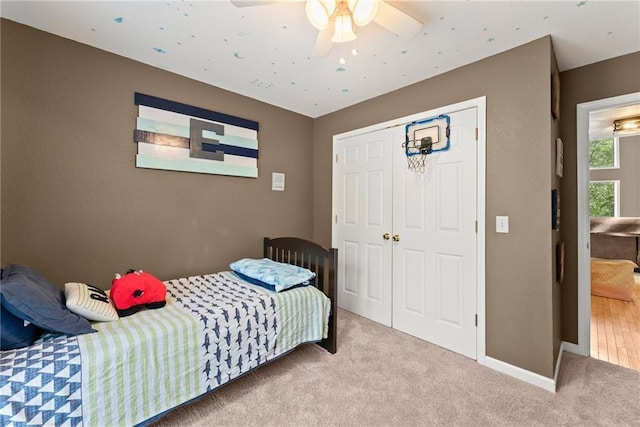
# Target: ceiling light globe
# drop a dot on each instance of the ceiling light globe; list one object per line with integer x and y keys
{"x": 344, "y": 30}
{"x": 319, "y": 12}
{"x": 363, "y": 11}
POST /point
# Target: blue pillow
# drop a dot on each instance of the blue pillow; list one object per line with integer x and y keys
{"x": 29, "y": 296}
{"x": 263, "y": 284}
{"x": 277, "y": 274}
{"x": 13, "y": 332}
{"x": 255, "y": 281}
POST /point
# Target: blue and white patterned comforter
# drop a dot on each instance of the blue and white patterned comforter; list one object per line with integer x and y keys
{"x": 213, "y": 329}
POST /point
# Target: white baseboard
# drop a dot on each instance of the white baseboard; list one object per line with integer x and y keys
{"x": 548, "y": 384}
{"x": 572, "y": 348}
{"x": 558, "y": 361}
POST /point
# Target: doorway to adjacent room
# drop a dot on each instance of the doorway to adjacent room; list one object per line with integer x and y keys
{"x": 608, "y": 323}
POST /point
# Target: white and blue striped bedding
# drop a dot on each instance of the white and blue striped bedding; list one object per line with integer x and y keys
{"x": 213, "y": 329}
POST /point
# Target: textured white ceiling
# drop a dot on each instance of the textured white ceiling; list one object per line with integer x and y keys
{"x": 264, "y": 51}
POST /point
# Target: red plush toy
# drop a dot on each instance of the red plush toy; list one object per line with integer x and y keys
{"x": 135, "y": 289}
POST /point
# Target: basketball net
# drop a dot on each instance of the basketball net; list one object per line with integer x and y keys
{"x": 416, "y": 157}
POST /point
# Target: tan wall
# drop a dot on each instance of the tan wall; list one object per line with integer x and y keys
{"x": 75, "y": 207}
{"x": 519, "y": 306}
{"x": 1, "y": 21}
{"x": 618, "y": 76}
{"x": 557, "y": 236}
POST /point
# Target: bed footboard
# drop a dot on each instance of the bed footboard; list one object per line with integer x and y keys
{"x": 322, "y": 261}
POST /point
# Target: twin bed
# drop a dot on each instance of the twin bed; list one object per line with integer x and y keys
{"x": 213, "y": 329}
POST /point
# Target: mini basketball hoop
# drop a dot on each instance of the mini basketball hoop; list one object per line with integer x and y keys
{"x": 423, "y": 138}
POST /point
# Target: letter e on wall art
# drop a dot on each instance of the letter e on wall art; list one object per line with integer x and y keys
{"x": 179, "y": 137}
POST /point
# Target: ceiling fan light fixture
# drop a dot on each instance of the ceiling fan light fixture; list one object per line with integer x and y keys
{"x": 319, "y": 12}
{"x": 344, "y": 30}
{"x": 363, "y": 11}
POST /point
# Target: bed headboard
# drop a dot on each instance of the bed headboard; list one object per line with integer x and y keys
{"x": 322, "y": 261}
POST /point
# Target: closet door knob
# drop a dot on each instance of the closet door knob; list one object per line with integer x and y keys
{"x": 396, "y": 237}
{"x": 386, "y": 236}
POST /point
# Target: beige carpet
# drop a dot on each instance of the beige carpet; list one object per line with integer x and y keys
{"x": 382, "y": 377}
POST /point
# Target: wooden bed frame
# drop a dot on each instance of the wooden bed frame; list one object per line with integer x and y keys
{"x": 322, "y": 261}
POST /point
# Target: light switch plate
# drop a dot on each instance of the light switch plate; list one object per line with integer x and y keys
{"x": 502, "y": 224}
{"x": 277, "y": 181}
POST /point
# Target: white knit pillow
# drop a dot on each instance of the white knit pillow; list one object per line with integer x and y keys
{"x": 89, "y": 302}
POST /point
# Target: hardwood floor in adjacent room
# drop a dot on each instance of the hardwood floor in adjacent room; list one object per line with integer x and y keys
{"x": 615, "y": 329}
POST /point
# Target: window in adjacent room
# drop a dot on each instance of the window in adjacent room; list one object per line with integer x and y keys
{"x": 603, "y": 154}
{"x": 604, "y": 198}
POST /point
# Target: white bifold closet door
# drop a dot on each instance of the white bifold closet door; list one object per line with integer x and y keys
{"x": 364, "y": 206}
{"x": 407, "y": 240}
{"x": 434, "y": 262}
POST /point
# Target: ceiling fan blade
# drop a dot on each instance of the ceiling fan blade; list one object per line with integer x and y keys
{"x": 397, "y": 21}
{"x": 323, "y": 43}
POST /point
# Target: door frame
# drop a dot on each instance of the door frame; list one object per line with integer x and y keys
{"x": 480, "y": 104}
{"x": 584, "y": 234}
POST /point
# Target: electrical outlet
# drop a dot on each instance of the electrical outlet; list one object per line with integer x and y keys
{"x": 502, "y": 224}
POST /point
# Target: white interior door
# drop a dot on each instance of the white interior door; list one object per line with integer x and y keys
{"x": 363, "y": 183}
{"x": 434, "y": 261}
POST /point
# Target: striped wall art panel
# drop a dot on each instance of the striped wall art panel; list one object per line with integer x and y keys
{"x": 180, "y": 137}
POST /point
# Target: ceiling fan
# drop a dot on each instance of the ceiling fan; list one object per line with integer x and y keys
{"x": 337, "y": 20}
